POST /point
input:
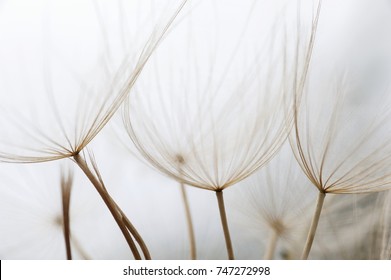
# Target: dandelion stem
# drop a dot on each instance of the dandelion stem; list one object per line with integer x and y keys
{"x": 314, "y": 225}
{"x": 125, "y": 219}
{"x": 271, "y": 247}
{"x": 190, "y": 227}
{"x": 113, "y": 208}
{"x": 224, "y": 223}
{"x": 135, "y": 234}
{"x": 66, "y": 186}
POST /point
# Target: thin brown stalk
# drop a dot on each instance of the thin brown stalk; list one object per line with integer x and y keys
{"x": 136, "y": 235}
{"x": 125, "y": 219}
{"x": 314, "y": 225}
{"x": 271, "y": 247}
{"x": 189, "y": 221}
{"x": 66, "y": 188}
{"x": 223, "y": 217}
{"x": 113, "y": 208}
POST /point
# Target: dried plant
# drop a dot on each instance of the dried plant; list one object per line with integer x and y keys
{"x": 341, "y": 126}
{"x": 230, "y": 120}
{"x": 338, "y": 153}
{"x": 66, "y": 189}
{"x": 36, "y": 216}
{"x": 211, "y": 91}
{"x": 57, "y": 114}
{"x": 77, "y": 113}
{"x": 347, "y": 229}
{"x": 274, "y": 202}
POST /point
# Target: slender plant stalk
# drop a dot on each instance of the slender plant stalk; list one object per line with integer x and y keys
{"x": 135, "y": 234}
{"x": 113, "y": 208}
{"x": 314, "y": 225}
{"x": 271, "y": 247}
{"x": 66, "y": 187}
{"x": 223, "y": 217}
{"x": 189, "y": 220}
{"x": 125, "y": 219}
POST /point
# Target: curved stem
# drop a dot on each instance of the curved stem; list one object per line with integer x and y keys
{"x": 314, "y": 225}
{"x": 271, "y": 247}
{"x": 190, "y": 227}
{"x": 125, "y": 219}
{"x": 113, "y": 208}
{"x": 135, "y": 234}
{"x": 224, "y": 223}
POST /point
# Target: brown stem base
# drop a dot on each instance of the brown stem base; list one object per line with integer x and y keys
{"x": 113, "y": 208}
{"x": 224, "y": 223}
{"x": 314, "y": 225}
{"x": 189, "y": 221}
{"x": 271, "y": 247}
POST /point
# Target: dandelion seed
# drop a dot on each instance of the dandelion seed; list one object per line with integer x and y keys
{"x": 341, "y": 134}
{"x": 221, "y": 111}
{"x": 57, "y": 115}
{"x": 274, "y": 201}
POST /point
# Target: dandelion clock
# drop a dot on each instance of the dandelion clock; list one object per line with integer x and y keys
{"x": 341, "y": 135}
{"x": 66, "y": 67}
{"x": 209, "y": 108}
